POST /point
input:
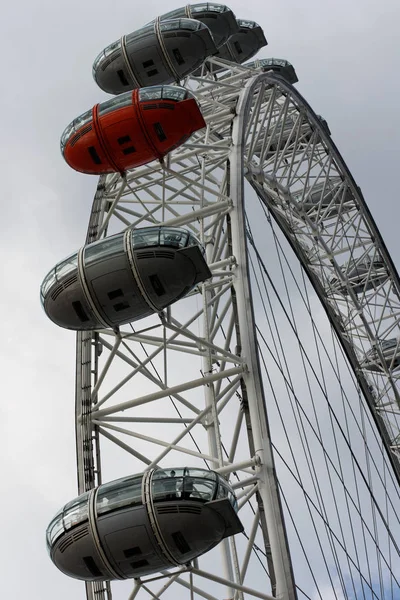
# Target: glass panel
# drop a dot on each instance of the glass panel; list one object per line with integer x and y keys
{"x": 55, "y": 529}
{"x": 104, "y": 249}
{"x": 162, "y": 474}
{"x": 233, "y": 501}
{"x": 67, "y": 266}
{"x": 170, "y": 25}
{"x": 135, "y": 35}
{"x": 112, "y": 47}
{"x": 389, "y": 344}
{"x": 48, "y": 282}
{"x": 198, "y": 489}
{"x": 82, "y": 120}
{"x": 170, "y": 92}
{"x": 76, "y": 512}
{"x": 66, "y": 135}
{"x": 203, "y": 473}
{"x": 279, "y": 62}
{"x": 191, "y": 24}
{"x": 173, "y": 237}
{"x": 221, "y": 492}
{"x": 206, "y": 7}
{"x": 193, "y": 240}
{"x": 97, "y": 61}
{"x": 151, "y": 93}
{"x": 120, "y": 493}
{"x": 167, "y": 488}
{"x": 115, "y": 103}
{"x": 246, "y": 24}
{"x": 142, "y": 238}
{"x": 178, "y": 12}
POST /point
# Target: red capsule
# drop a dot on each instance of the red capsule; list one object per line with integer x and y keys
{"x": 131, "y": 130}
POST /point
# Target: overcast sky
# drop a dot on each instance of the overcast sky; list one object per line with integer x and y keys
{"x": 346, "y": 54}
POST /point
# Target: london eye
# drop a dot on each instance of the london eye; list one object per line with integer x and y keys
{"x": 238, "y": 343}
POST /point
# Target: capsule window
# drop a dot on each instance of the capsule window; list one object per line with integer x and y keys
{"x": 129, "y": 150}
{"x": 246, "y": 24}
{"x": 112, "y": 47}
{"x": 150, "y": 93}
{"x": 121, "y": 306}
{"x": 94, "y": 156}
{"x": 105, "y": 248}
{"x": 129, "y": 552}
{"x": 238, "y": 47}
{"x": 178, "y": 56}
{"x": 122, "y": 77}
{"x": 207, "y": 7}
{"x": 80, "y": 312}
{"x": 115, "y": 294}
{"x": 118, "y": 494}
{"x": 121, "y": 101}
{"x": 157, "y": 285}
{"x": 160, "y": 132}
{"x": 140, "y": 33}
{"x": 55, "y": 529}
{"x": 174, "y": 238}
{"x": 76, "y": 511}
{"x": 148, "y": 63}
{"x": 168, "y": 488}
{"x": 152, "y": 72}
{"x": 68, "y": 265}
{"x": 139, "y": 563}
{"x": 198, "y": 489}
{"x": 124, "y": 139}
{"x": 170, "y": 92}
{"x": 172, "y": 14}
{"x": 142, "y": 238}
{"x": 180, "y": 542}
{"x": 92, "y": 567}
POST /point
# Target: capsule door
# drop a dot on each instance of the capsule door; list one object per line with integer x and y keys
{"x": 126, "y": 141}
{"x": 111, "y": 283}
{"x": 145, "y": 58}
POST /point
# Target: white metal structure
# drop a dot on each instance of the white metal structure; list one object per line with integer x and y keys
{"x": 186, "y": 387}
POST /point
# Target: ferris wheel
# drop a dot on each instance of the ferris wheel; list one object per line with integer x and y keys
{"x": 225, "y": 447}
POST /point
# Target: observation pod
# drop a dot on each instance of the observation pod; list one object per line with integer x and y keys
{"x": 219, "y": 19}
{"x": 278, "y": 65}
{"x": 279, "y": 137}
{"x": 328, "y": 197}
{"x": 388, "y": 350}
{"x": 160, "y": 52}
{"x": 362, "y": 275}
{"x": 142, "y": 524}
{"x": 131, "y": 130}
{"x": 123, "y": 278}
{"x": 240, "y": 47}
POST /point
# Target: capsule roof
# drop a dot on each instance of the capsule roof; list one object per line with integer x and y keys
{"x": 131, "y": 129}
{"x": 219, "y": 19}
{"x": 241, "y": 46}
{"x": 158, "y": 53}
{"x": 279, "y": 65}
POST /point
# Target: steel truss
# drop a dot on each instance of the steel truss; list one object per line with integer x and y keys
{"x": 184, "y": 387}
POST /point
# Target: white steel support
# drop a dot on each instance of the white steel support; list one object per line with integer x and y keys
{"x": 213, "y": 432}
{"x": 268, "y": 486}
